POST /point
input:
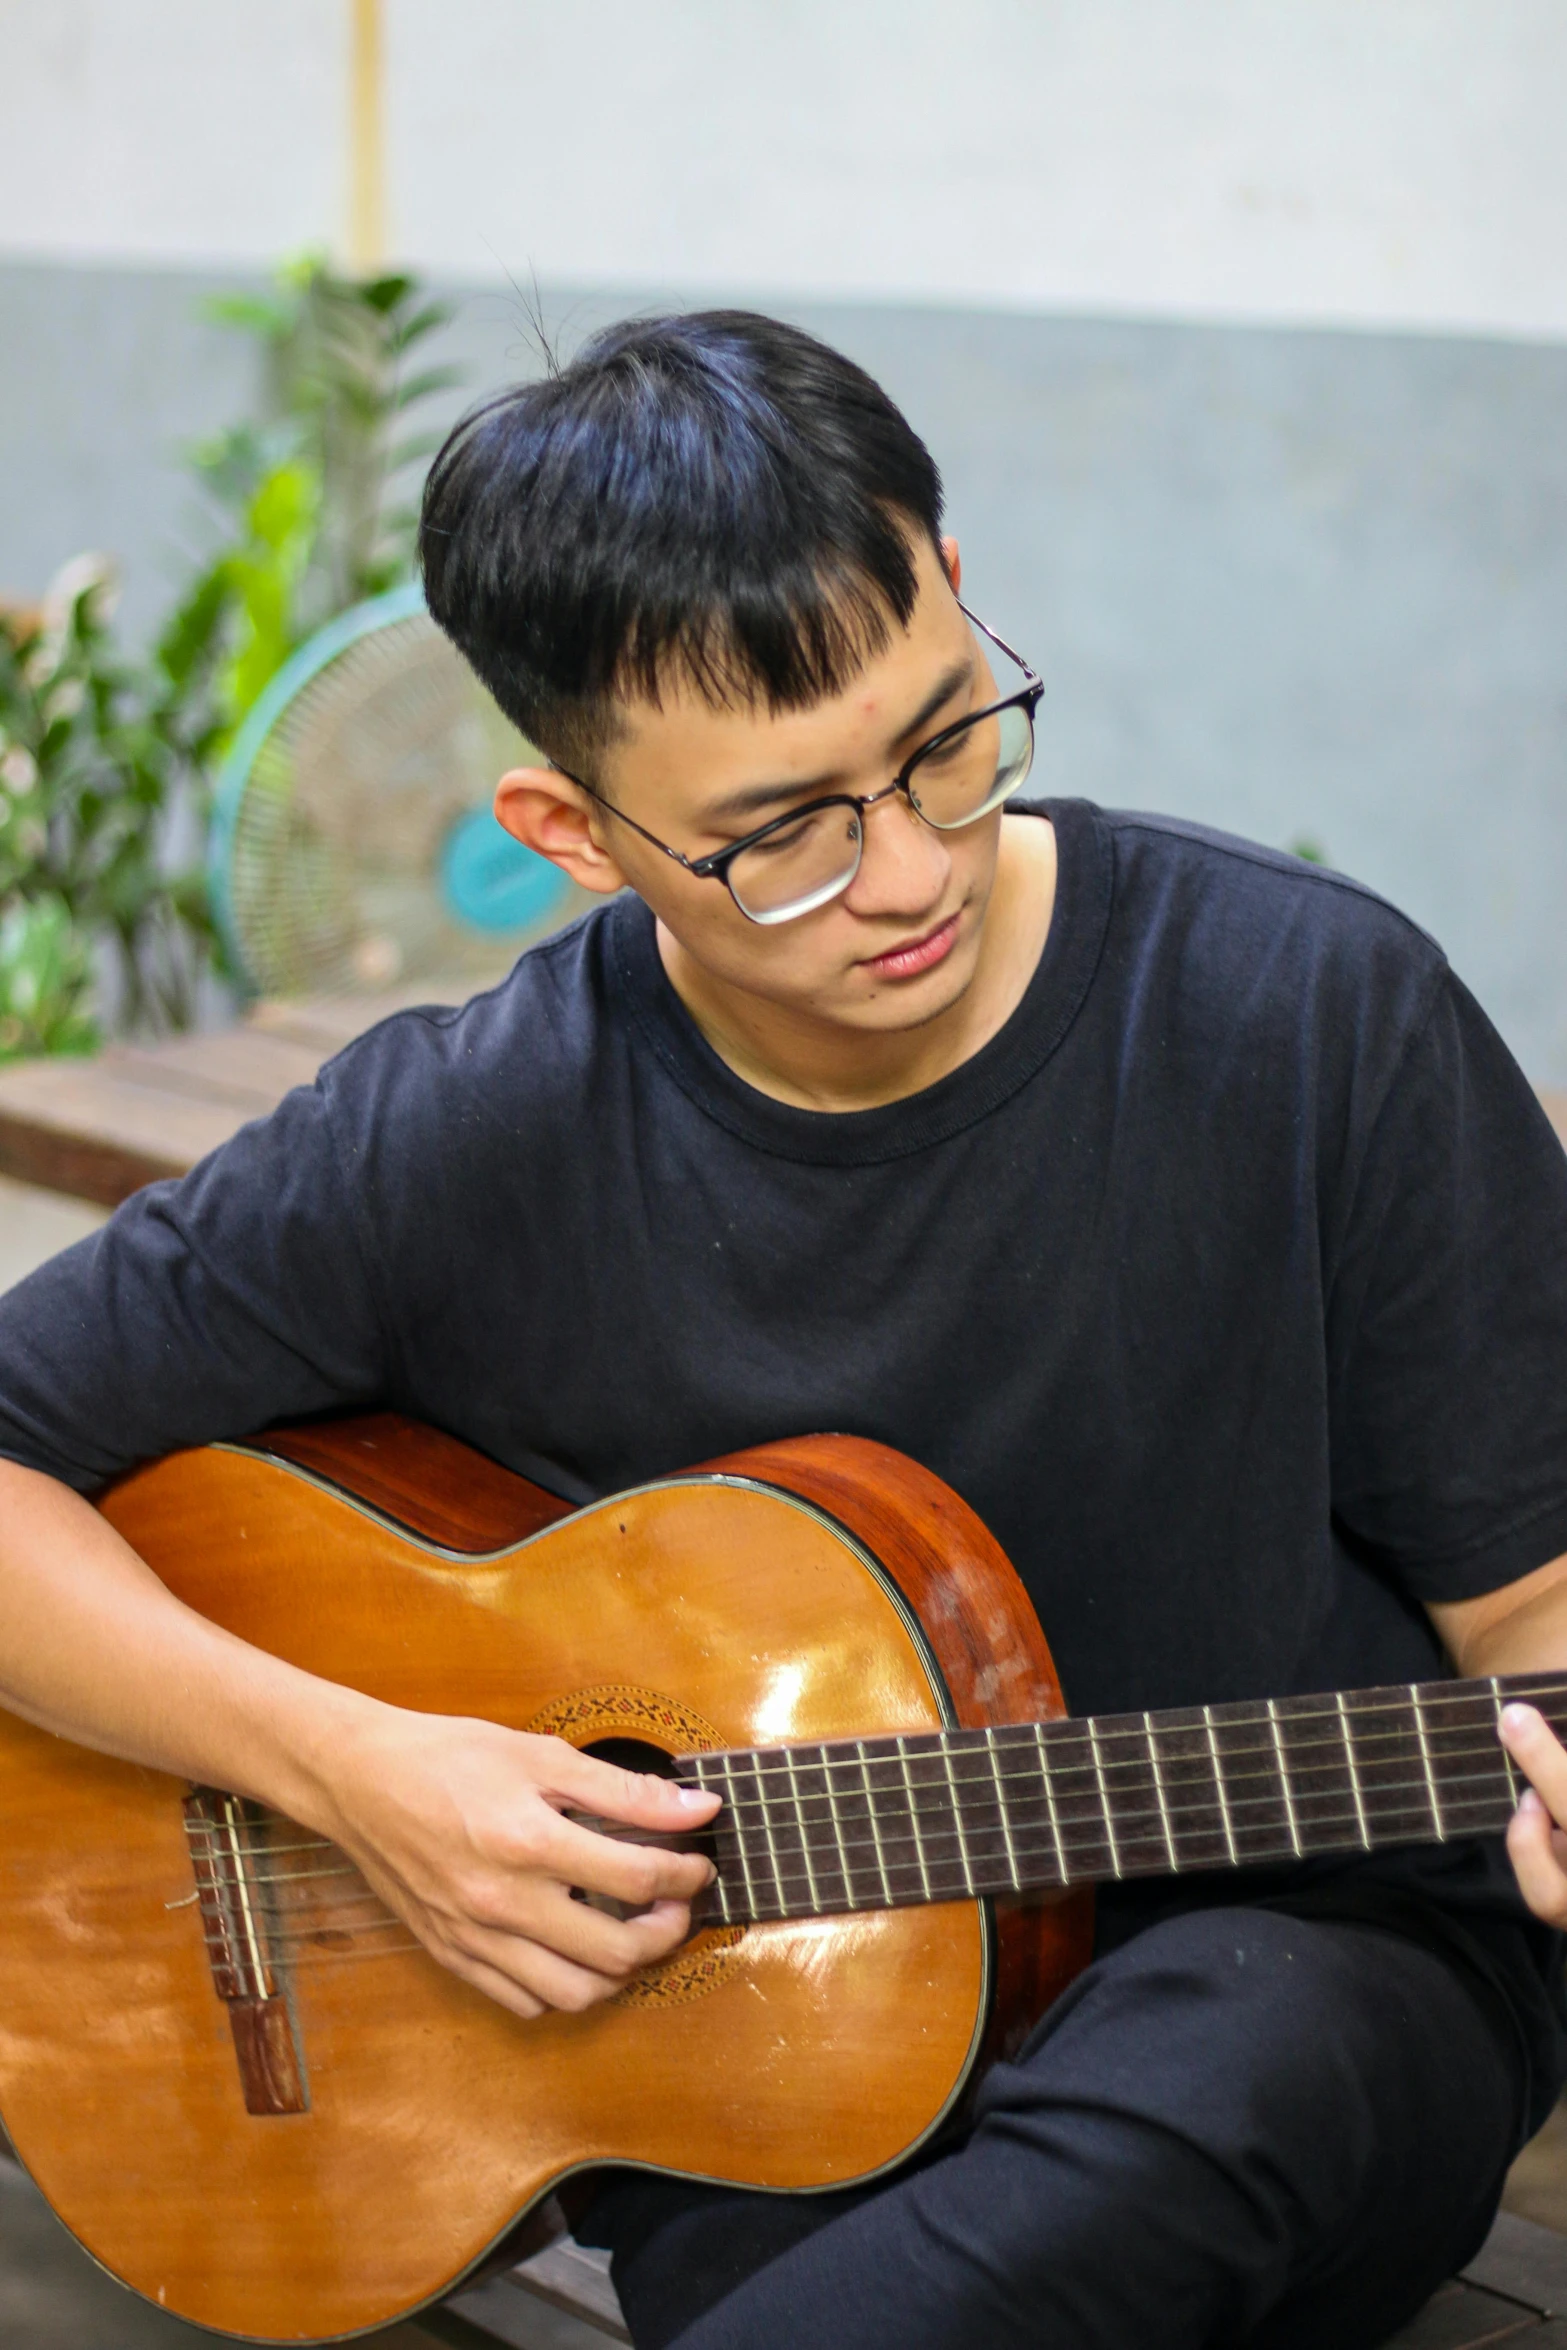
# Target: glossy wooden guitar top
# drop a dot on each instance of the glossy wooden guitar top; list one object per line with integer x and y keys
{"x": 741, "y": 1606}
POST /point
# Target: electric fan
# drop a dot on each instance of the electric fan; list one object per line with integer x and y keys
{"x": 353, "y": 848}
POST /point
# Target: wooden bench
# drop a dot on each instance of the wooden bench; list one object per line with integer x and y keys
{"x": 100, "y": 1128}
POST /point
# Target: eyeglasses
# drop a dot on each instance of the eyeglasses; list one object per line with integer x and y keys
{"x": 806, "y": 858}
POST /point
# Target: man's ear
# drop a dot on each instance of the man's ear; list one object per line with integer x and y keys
{"x": 952, "y": 563}
{"x": 552, "y": 816}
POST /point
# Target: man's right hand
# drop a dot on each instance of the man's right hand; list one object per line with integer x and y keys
{"x": 458, "y": 1826}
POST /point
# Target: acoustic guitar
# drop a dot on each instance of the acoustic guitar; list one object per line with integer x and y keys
{"x": 255, "y": 2098}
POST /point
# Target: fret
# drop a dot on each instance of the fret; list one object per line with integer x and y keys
{"x": 984, "y": 1795}
{"x": 812, "y": 1771}
{"x": 730, "y": 1830}
{"x": 1219, "y": 1787}
{"x": 1130, "y": 1788}
{"x": 1050, "y": 1798}
{"x": 1314, "y": 1763}
{"x": 1354, "y": 1775}
{"x": 1003, "y": 1811}
{"x": 1418, "y": 1711}
{"x": 1470, "y": 1764}
{"x": 914, "y": 1820}
{"x": 1390, "y": 1766}
{"x": 964, "y": 1860}
{"x": 1254, "y": 1786}
{"x": 726, "y": 1832}
{"x": 1104, "y": 1796}
{"x": 892, "y": 1798}
{"x": 841, "y": 1843}
{"x": 1507, "y": 1760}
{"x": 939, "y": 1825}
{"x": 1284, "y": 1779}
{"x": 1188, "y": 1818}
{"x": 805, "y": 1841}
{"x": 872, "y": 1811}
{"x": 774, "y": 1859}
{"x": 1077, "y": 1785}
{"x": 1158, "y": 1786}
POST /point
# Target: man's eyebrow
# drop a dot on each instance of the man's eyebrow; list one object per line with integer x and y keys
{"x": 756, "y": 796}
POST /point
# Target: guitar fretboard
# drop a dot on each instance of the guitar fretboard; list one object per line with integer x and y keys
{"x": 879, "y": 1823}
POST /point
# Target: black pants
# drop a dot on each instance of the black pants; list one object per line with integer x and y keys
{"x": 1241, "y": 2127}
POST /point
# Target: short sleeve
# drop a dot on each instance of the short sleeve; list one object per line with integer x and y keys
{"x": 205, "y": 1308}
{"x": 1447, "y": 1320}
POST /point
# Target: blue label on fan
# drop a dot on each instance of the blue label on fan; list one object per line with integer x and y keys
{"x": 491, "y": 882}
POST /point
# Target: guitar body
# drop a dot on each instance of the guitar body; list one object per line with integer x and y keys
{"x": 823, "y": 1587}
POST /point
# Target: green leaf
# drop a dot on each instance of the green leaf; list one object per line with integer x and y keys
{"x": 421, "y": 386}
{"x": 419, "y": 323}
{"x": 383, "y": 294}
{"x": 193, "y": 630}
{"x": 45, "y": 975}
{"x": 253, "y": 312}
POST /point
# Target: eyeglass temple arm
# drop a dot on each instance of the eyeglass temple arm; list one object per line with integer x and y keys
{"x": 996, "y": 638}
{"x": 610, "y": 809}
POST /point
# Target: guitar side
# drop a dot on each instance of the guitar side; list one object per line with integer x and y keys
{"x": 715, "y": 1610}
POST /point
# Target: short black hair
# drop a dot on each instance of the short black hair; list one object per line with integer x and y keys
{"x": 713, "y": 494}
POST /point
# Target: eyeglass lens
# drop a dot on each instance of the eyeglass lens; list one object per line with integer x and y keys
{"x": 953, "y": 783}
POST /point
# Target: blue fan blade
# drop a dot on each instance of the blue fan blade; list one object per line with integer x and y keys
{"x": 491, "y": 882}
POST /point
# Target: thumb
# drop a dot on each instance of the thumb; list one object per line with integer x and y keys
{"x": 641, "y": 1798}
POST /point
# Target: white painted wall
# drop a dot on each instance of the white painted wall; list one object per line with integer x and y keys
{"x": 1359, "y": 161}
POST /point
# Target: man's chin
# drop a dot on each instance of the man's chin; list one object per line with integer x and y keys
{"x": 897, "y": 1005}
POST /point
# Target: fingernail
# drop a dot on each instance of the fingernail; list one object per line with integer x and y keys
{"x": 1529, "y": 1801}
{"x": 1517, "y": 1717}
{"x": 691, "y": 1797}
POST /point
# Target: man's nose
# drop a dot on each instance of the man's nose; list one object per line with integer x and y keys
{"x": 904, "y": 864}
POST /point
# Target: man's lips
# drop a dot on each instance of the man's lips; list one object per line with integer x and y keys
{"x": 919, "y": 955}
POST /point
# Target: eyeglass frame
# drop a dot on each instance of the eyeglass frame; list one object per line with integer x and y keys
{"x": 715, "y": 866}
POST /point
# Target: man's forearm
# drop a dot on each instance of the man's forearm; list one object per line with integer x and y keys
{"x": 95, "y": 1647}
{"x": 459, "y": 1825}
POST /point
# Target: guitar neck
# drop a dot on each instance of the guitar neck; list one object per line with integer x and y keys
{"x": 880, "y": 1823}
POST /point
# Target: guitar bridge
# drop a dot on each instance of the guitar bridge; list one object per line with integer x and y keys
{"x": 226, "y": 1837}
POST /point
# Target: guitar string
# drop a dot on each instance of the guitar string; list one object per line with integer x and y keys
{"x": 1060, "y": 1733}
{"x": 1340, "y": 1831}
{"x": 1153, "y": 1843}
{"x": 268, "y": 1844}
{"x": 787, "y": 1817}
{"x": 1057, "y": 1769}
{"x": 1133, "y": 1831}
{"x": 1432, "y": 1694}
{"x": 293, "y": 1957}
{"x": 913, "y": 1834}
{"x": 1060, "y": 1766}
{"x": 1342, "y": 1828}
{"x": 787, "y": 1812}
{"x": 923, "y": 1827}
{"x": 990, "y": 1777}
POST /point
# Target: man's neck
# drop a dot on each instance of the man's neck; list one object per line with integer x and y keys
{"x": 825, "y": 1065}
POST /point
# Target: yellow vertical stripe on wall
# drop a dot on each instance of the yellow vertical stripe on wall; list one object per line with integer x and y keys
{"x": 367, "y": 143}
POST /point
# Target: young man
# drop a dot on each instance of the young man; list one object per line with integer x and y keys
{"x": 1170, "y": 1199}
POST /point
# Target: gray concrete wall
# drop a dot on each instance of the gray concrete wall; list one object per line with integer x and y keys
{"x": 1293, "y": 582}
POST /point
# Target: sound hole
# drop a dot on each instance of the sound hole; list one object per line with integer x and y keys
{"x": 633, "y": 1754}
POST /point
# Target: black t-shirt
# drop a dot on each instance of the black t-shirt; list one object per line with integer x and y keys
{"x": 1228, "y": 1283}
